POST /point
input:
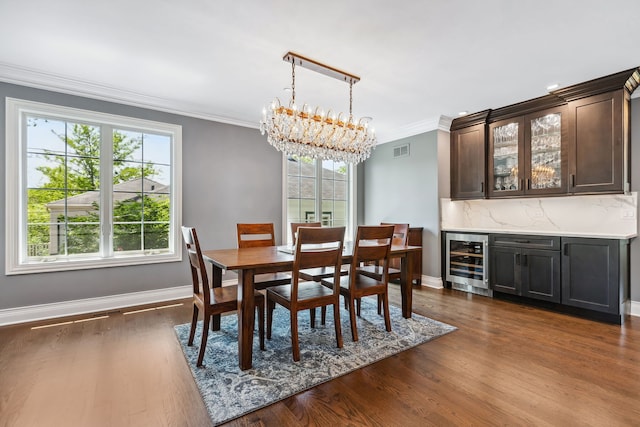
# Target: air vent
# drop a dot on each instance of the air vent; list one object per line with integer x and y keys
{"x": 401, "y": 151}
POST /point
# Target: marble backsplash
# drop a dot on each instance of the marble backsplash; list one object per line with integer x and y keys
{"x": 603, "y": 216}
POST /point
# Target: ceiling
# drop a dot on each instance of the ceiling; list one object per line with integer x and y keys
{"x": 420, "y": 62}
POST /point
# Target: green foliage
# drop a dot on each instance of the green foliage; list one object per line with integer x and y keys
{"x": 78, "y": 172}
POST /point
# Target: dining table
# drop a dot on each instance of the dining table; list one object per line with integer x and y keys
{"x": 248, "y": 262}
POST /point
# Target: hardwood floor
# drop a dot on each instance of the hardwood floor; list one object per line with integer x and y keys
{"x": 507, "y": 364}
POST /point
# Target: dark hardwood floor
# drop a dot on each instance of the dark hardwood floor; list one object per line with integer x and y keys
{"x": 507, "y": 364}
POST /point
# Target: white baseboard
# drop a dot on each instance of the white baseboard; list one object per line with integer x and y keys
{"x": 432, "y": 282}
{"x": 33, "y": 313}
{"x": 634, "y": 309}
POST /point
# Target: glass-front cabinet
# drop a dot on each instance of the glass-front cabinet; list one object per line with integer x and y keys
{"x": 527, "y": 154}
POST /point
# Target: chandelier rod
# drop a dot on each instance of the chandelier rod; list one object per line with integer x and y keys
{"x": 321, "y": 68}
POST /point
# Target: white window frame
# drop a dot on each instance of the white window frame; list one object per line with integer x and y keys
{"x": 349, "y": 233}
{"x": 16, "y": 261}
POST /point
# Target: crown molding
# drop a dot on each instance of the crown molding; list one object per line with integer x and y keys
{"x": 434, "y": 123}
{"x": 49, "y": 81}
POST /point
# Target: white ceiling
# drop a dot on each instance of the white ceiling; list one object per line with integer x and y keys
{"x": 222, "y": 60}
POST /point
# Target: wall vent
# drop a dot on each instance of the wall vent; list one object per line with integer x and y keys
{"x": 401, "y": 151}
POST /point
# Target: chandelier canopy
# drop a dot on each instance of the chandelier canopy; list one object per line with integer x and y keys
{"x": 312, "y": 132}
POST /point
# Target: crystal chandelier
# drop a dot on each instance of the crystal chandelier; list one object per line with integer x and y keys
{"x": 310, "y": 132}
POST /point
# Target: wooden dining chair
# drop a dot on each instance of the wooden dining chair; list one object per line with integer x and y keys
{"x": 400, "y": 238}
{"x": 261, "y": 235}
{"x": 372, "y": 243}
{"x": 308, "y": 295}
{"x": 212, "y": 301}
{"x": 315, "y": 274}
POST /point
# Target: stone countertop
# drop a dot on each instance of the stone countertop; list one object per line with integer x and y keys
{"x": 542, "y": 233}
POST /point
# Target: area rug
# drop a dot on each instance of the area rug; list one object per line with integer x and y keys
{"x": 229, "y": 393}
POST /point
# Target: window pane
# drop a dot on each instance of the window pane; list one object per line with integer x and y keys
{"x": 83, "y": 236}
{"x": 156, "y": 236}
{"x": 127, "y": 237}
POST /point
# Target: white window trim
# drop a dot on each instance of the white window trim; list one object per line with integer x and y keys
{"x": 15, "y": 227}
{"x": 353, "y": 201}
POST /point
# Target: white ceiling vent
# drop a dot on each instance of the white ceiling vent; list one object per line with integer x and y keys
{"x": 401, "y": 151}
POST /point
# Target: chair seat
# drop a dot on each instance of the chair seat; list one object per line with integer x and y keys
{"x": 317, "y": 274}
{"x": 362, "y": 286}
{"x": 263, "y": 281}
{"x": 225, "y": 298}
{"x": 306, "y": 291}
{"x": 375, "y": 271}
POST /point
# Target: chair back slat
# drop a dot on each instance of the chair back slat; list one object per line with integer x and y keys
{"x": 372, "y": 243}
{"x": 256, "y": 235}
{"x": 296, "y": 225}
{"x": 199, "y": 276}
{"x": 317, "y": 247}
{"x": 400, "y": 233}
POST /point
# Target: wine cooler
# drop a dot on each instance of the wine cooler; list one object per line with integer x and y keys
{"x": 466, "y": 262}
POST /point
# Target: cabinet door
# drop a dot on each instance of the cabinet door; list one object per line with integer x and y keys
{"x": 506, "y": 143}
{"x": 590, "y": 273}
{"x": 467, "y": 162}
{"x": 545, "y": 156}
{"x": 541, "y": 274}
{"x": 504, "y": 270}
{"x": 596, "y": 143}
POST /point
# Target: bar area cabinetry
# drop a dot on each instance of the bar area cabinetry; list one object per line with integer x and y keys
{"x": 574, "y": 140}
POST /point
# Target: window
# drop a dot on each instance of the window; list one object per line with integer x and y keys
{"x": 319, "y": 190}
{"x": 87, "y": 189}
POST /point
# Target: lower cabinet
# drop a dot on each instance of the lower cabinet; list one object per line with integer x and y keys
{"x": 584, "y": 276}
{"x": 591, "y": 273}
{"x": 527, "y": 266}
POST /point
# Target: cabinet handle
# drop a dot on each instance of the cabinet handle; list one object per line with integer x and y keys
{"x": 521, "y": 184}
{"x": 524, "y": 260}
{"x": 528, "y": 184}
{"x": 573, "y": 180}
{"x": 522, "y": 241}
{"x": 517, "y": 259}
{"x": 482, "y": 187}
{"x": 566, "y": 249}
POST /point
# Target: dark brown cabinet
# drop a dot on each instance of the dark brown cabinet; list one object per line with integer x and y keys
{"x": 527, "y": 266}
{"x": 591, "y": 273}
{"x": 599, "y": 136}
{"x": 574, "y": 140}
{"x": 468, "y": 154}
{"x": 415, "y": 239}
{"x": 528, "y": 154}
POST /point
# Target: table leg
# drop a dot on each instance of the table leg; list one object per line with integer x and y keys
{"x": 216, "y": 283}
{"x": 406, "y": 279}
{"x": 246, "y": 311}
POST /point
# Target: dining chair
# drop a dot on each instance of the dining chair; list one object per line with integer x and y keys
{"x": 315, "y": 274}
{"x": 400, "y": 238}
{"x": 374, "y": 269}
{"x": 372, "y": 243}
{"x": 261, "y": 235}
{"x": 315, "y": 247}
{"x": 212, "y": 301}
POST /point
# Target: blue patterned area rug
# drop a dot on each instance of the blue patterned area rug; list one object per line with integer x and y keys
{"x": 229, "y": 393}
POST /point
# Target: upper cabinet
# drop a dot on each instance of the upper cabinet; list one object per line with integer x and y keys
{"x": 597, "y": 156}
{"x": 528, "y": 154}
{"x": 468, "y": 152}
{"x": 573, "y": 141}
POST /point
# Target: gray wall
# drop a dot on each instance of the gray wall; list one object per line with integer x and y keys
{"x": 405, "y": 189}
{"x": 635, "y": 186}
{"x": 230, "y": 174}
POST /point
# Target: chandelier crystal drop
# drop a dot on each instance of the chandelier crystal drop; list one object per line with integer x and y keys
{"x": 312, "y": 132}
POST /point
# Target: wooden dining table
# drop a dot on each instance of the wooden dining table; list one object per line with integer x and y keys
{"x": 248, "y": 262}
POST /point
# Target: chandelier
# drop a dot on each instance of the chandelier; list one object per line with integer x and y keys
{"x": 310, "y": 132}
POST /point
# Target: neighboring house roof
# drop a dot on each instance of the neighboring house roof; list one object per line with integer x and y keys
{"x": 305, "y": 188}
{"x": 123, "y": 191}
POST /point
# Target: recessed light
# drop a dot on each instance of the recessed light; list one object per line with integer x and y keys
{"x": 553, "y": 86}
{"x": 463, "y": 113}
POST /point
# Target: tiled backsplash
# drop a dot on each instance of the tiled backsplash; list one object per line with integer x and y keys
{"x": 604, "y": 216}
